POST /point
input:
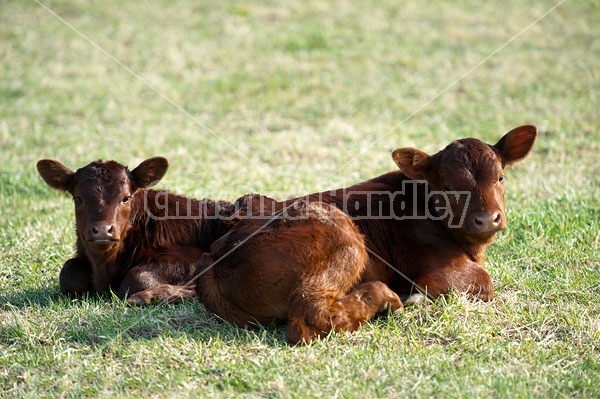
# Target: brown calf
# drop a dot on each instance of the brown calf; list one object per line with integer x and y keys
{"x": 130, "y": 239}
{"x": 300, "y": 266}
{"x": 427, "y": 226}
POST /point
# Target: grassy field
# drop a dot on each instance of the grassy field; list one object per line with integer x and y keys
{"x": 286, "y": 100}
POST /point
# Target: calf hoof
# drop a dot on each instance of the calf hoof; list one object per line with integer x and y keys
{"x": 417, "y": 299}
{"x": 484, "y": 295}
{"x": 165, "y": 293}
{"x": 483, "y": 291}
{"x": 146, "y": 297}
{"x": 379, "y": 294}
{"x": 395, "y": 305}
{"x": 138, "y": 300}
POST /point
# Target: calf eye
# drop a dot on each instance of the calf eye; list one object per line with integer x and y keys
{"x": 126, "y": 199}
{"x": 77, "y": 200}
{"x": 501, "y": 179}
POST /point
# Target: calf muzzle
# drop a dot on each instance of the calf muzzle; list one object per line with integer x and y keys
{"x": 486, "y": 222}
{"x": 102, "y": 233}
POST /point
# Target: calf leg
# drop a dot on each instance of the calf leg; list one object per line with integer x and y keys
{"x": 169, "y": 278}
{"x": 470, "y": 278}
{"x": 75, "y": 277}
{"x": 312, "y": 317}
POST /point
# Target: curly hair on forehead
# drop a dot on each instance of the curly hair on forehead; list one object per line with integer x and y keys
{"x": 100, "y": 170}
{"x": 103, "y": 179}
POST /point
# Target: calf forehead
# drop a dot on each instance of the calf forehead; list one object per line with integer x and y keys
{"x": 105, "y": 180}
{"x": 471, "y": 161}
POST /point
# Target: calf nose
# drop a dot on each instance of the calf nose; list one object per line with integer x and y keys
{"x": 102, "y": 232}
{"x": 488, "y": 221}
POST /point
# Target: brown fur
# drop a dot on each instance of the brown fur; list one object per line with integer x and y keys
{"x": 301, "y": 267}
{"x": 122, "y": 243}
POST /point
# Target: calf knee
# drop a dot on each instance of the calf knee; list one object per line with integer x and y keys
{"x": 75, "y": 277}
{"x": 483, "y": 287}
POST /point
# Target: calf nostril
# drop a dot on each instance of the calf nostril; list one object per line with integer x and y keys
{"x": 487, "y": 221}
{"x": 498, "y": 218}
{"x": 110, "y": 230}
{"x": 95, "y": 230}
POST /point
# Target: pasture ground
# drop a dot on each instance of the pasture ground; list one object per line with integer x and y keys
{"x": 287, "y": 99}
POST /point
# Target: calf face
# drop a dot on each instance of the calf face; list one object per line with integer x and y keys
{"x": 468, "y": 178}
{"x": 102, "y": 193}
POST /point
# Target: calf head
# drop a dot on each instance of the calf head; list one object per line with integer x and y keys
{"x": 469, "y": 166}
{"x": 102, "y": 193}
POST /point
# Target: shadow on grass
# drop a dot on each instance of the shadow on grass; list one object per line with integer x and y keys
{"x": 103, "y": 322}
{"x": 45, "y": 297}
{"x": 100, "y": 320}
{"x": 41, "y": 297}
{"x": 188, "y": 320}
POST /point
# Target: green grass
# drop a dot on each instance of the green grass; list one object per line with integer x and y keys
{"x": 286, "y": 100}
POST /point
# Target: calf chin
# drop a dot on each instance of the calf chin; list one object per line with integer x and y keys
{"x": 102, "y": 247}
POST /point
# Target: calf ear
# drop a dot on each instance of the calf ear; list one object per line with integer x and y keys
{"x": 516, "y": 144}
{"x": 149, "y": 172}
{"x": 413, "y": 162}
{"x": 55, "y": 174}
